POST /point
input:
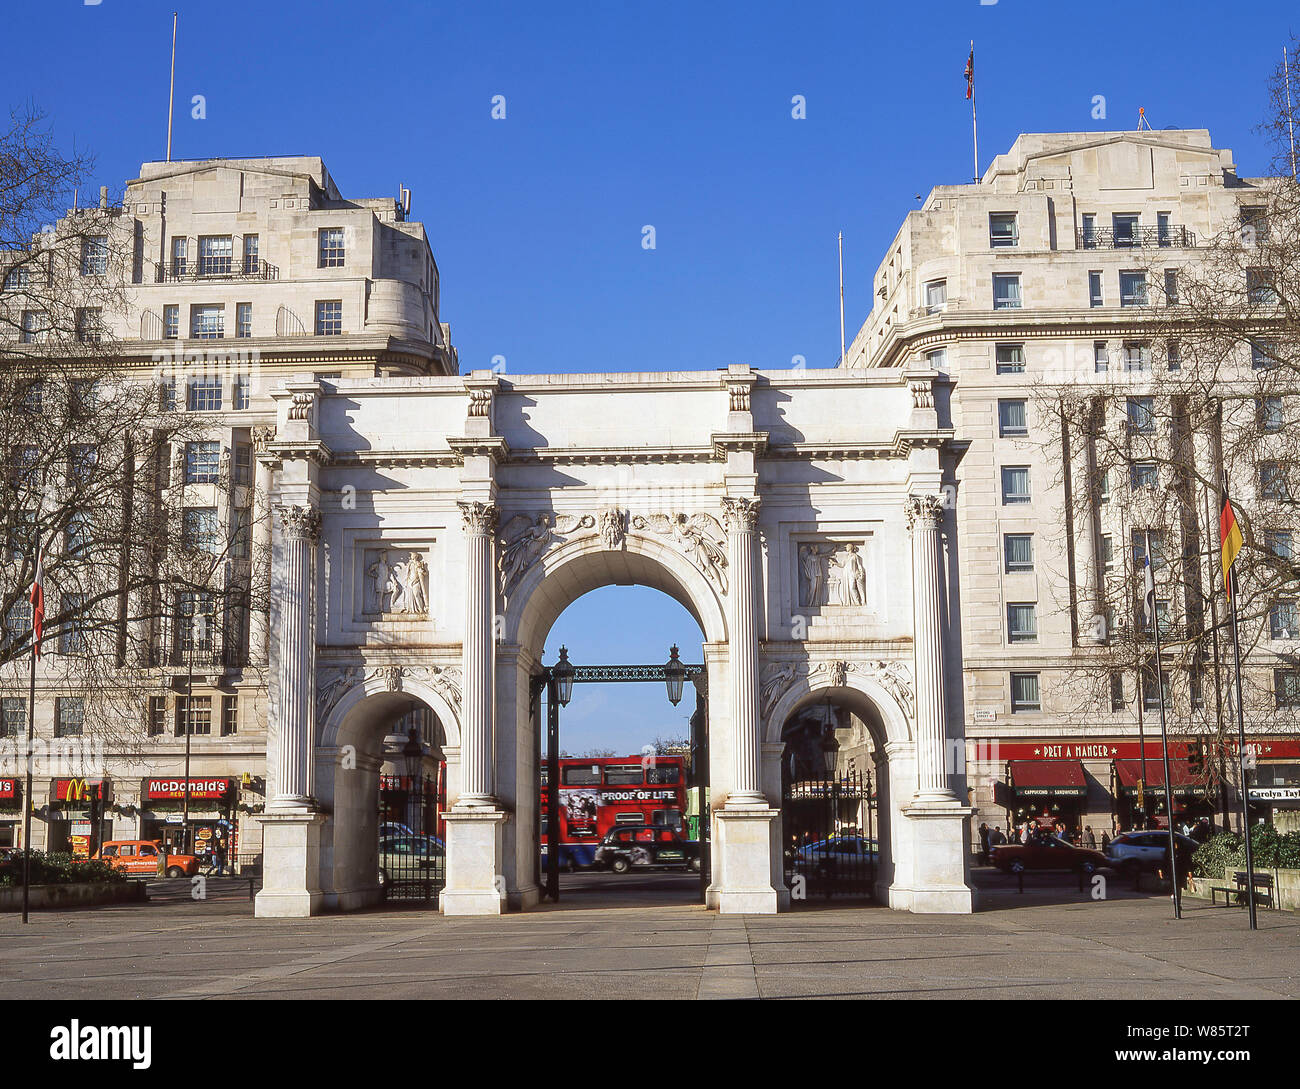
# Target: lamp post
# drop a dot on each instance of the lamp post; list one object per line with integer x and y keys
{"x": 674, "y": 677}
{"x": 559, "y": 691}
{"x": 413, "y": 763}
{"x": 198, "y": 631}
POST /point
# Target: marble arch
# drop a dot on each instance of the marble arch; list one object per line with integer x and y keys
{"x": 804, "y": 518}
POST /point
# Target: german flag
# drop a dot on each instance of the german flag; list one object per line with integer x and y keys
{"x": 1229, "y": 539}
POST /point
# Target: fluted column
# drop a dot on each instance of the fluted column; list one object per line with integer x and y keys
{"x": 477, "y": 655}
{"x": 925, "y": 515}
{"x": 259, "y": 627}
{"x": 296, "y": 669}
{"x": 741, "y": 516}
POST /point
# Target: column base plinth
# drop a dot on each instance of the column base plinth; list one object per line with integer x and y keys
{"x": 290, "y": 864}
{"x": 475, "y": 882}
{"x": 940, "y": 883}
{"x": 742, "y": 859}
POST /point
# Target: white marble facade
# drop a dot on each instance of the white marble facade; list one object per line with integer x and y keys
{"x": 430, "y": 530}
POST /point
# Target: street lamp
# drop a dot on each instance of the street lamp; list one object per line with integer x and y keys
{"x": 563, "y": 674}
{"x": 674, "y": 677}
{"x": 413, "y": 761}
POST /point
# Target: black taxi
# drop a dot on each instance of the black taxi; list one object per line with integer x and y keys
{"x": 647, "y": 845}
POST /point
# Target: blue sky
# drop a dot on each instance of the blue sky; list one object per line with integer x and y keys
{"x": 622, "y": 115}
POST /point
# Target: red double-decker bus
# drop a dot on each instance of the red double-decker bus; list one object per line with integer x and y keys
{"x": 600, "y": 793}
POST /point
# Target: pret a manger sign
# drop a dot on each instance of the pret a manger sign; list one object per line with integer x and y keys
{"x": 158, "y": 789}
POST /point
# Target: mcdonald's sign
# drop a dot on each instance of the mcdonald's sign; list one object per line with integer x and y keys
{"x": 80, "y": 790}
{"x": 8, "y": 788}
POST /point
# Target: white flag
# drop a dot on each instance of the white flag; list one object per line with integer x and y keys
{"x": 1149, "y": 601}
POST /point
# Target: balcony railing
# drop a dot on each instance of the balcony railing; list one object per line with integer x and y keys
{"x": 215, "y": 268}
{"x": 1134, "y": 238}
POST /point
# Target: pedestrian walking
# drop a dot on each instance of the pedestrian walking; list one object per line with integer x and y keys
{"x": 1089, "y": 837}
{"x": 984, "y": 844}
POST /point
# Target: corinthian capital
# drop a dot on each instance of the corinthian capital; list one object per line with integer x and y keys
{"x": 924, "y": 512}
{"x": 479, "y": 517}
{"x": 300, "y": 523}
{"x": 740, "y": 514}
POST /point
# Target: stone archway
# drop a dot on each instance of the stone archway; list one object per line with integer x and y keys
{"x": 348, "y": 758}
{"x": 547, "y": 588}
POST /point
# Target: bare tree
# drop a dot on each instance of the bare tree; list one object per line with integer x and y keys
{"x": 97, "y": 464}
{"x": 1207, "y": 388}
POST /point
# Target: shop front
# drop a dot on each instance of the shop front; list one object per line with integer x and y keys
{"x": 1140, "y": 799}
{"x": 79, "y": 818}
{"x": 212, "y": 819}
{"x": 11, "y": 813}
{"x": 1047, "y": 792}
{"x": 1274, "y": 795}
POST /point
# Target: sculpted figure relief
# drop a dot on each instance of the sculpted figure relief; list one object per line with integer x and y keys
{"x": 700, "y": 536}
{"x": 397, "y": 586}
{"x": 831, "y": 574}
{"x": 524, "y": 540}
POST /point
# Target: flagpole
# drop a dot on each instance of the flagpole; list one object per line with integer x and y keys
{"x": 1231, "y": 587}
{"x": 974, "y": 125}
{"x": 1164, "y": 743}
{"x": 171, "y": 92}
{"x": 843, "y": 361}
{"x": 37, "y": 578}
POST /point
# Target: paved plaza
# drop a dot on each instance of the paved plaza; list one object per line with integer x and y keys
{"x": 642, "y": 937}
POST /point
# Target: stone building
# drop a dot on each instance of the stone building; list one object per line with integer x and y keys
{"x": 1060, "y": 268}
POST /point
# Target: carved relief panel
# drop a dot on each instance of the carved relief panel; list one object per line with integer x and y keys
{"x": 835, "y": 573}
{"x": 390, "y": 581}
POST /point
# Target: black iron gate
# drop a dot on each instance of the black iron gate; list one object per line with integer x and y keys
{"x": 831, "y": 847}
{"x": 412, "y": 851}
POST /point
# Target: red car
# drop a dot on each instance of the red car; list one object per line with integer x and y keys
{"x": 1045, "y": 852}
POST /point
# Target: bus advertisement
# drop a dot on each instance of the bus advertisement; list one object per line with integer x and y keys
{"x": 597, "y": 794}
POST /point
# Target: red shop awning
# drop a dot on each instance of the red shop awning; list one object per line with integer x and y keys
{"x": 1184, "y": 780}
{"x": 1047, "y": 778}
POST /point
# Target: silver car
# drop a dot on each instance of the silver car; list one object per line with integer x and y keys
{"x": 1132, "y": 852}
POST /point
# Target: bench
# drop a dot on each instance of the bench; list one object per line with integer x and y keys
{"x": 1262, "y": 886}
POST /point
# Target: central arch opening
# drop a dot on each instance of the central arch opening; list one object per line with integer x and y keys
{"x": 630, "y": 809}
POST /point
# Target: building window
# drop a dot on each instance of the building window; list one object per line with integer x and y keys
{"x": 1174, "y": 356}
{"x": 216, "y": 253}
{"x": 1117, "y": 701}
{"x": 1006, "y": 291}
{"x": 1015, "y": 484}
{"x": 329, "y": 318}
{"x": 194, "y": 622}
{"x": 77, "y": 533}
{"x": 17, "y": 278}
{"x": 251, "y": 261}
{"x": 1263, "y": 354}
{"x": 1107, "y": 545}
{"x": 1018, "y": 548}
{"x": 242, "y": 460}
{"x": 1269, "y": 410}
{"x": 171, "y": 322}
{"x": 1024, "y": 693}
{"x": 72, "y": 638}
{"x": 1137, "y": 355}
{"x": 1022, "y": 623}
{"x": 331, "y": 247}
{"x": 1259, "y": 287}
{"x": 18, "y": 620}
{"x": 199, "y": 530}
{"x": 94, "y": 255}
{"x": 241, "y": 536}
{"x": 243, "y": 319}
{"x": 1151, "y": 695}
{"x": 157, "y": 724}
{"x": 229, "y": 715}
{"x": 180, "y": 256}
{"x": 1003, "y": 231}
{"x": 13, "y": 716}
{"x": 1273, "y": 483}
{"x": 936, "y": 296}
{"x": 202, "y": 462}
{"x": 167, "y": 395}
{"x": 1012, "y": 419}
{"x": 937, "y": 359}
{"x": 32, "y": 328}
{"x": 1132, "y": 288}
{"x": 1141, "y": 415}
{"x": 1286, "y": 687}
{"x": 1145, "y": 474}
{"x": 207, "y": 322}
{"x": 90, "y": 324}
{"x": 1196, "y": 686}
{"x": 1171, "y": 287}
{"x": 193, "y": 715}
{"x": 1088, "y": 222}
{"x": 1164, "y": 236}
{"x": 1282, "y": 621}
{"x": 1144, "y": 538}
{"x": 1095, "y": 297}
{"x": 239, "y": 392}
{"x": 204, "y": 394}
{"x": 69, "y": 716}
{"x": 1100, "y": 357}
{"x": 1010, "y": 358}
{"x": 1278, "y": 543}
{"x": 1254, "y": 225}
{"x": 1125, "y": 227}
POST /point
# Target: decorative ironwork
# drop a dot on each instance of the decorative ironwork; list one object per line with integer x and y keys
{"x": 215, "y": 268}
{"x": 612, "y": 674}
{"x": 830, "y": 827}
{"x": 412, "y": 854}
{"x": 1107, "y": 238}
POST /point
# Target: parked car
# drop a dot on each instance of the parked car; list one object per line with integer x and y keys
{"x": 389, "y": 829}
{"x": 139, "y": 858}
{"x": 411, "y": 858}
{"x": 843, "y": 853}
{"x": 647, "y": 846}
{"x": 1134, "y": 852}
{"x": 1045, "y": 852}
